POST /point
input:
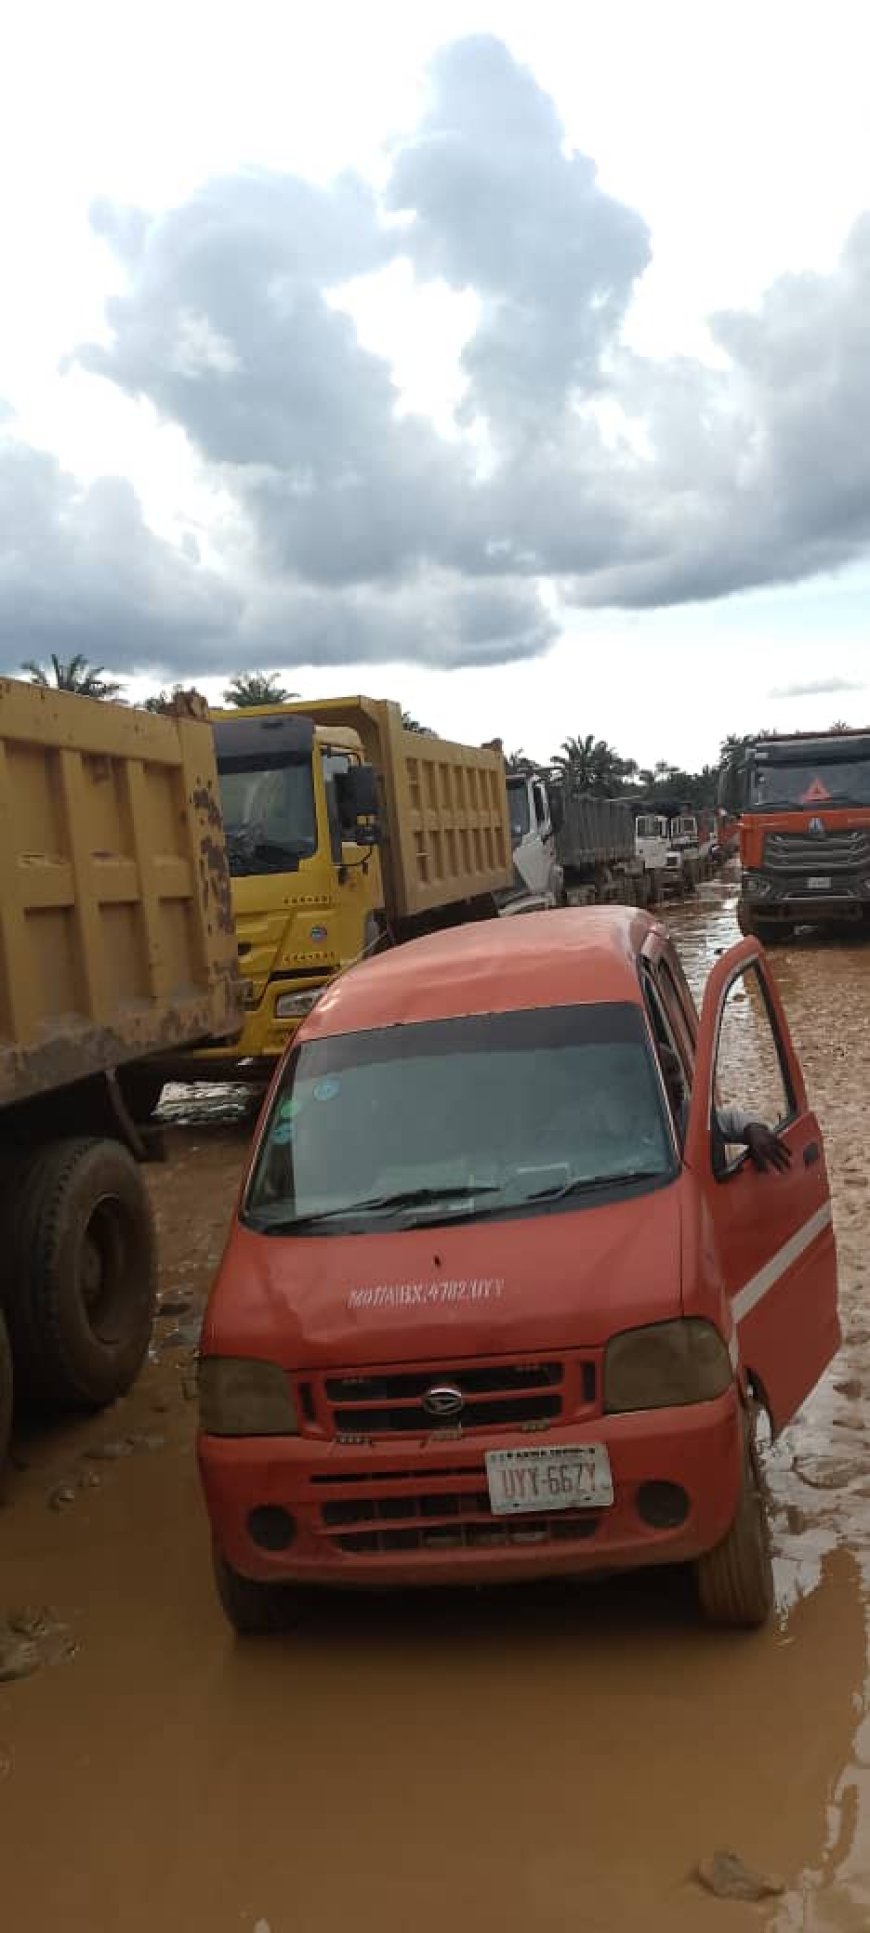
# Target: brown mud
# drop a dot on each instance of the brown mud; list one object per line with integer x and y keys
{"x": 560, "y": 1758}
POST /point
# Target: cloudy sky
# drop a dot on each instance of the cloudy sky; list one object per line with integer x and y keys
{"x": 513, "y": 361}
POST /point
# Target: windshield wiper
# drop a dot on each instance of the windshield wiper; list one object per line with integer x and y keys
{"x": 373, "y": 1205}
{"x": 586, "y": 1183}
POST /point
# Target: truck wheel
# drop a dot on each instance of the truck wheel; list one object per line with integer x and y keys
{"x": 5, "y": 1397}
{"x": 253, "y": 1609}
{"x": 735, "y": 1581}
{"x": 141, "y": 1091}
{"x": 82, "y": 1272}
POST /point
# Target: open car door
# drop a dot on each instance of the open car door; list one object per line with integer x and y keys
{"x": 771, "y": 1232}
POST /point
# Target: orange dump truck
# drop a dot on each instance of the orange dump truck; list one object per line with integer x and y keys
{"x": 116, "y": 939}
{"x": 804, "y": 830}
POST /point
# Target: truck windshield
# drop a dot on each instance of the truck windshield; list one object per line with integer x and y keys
{"x": 269, "y": 814}
{"x": 450, "y": 1120}
{"x": 803, "y": 787}
{"x": 519, "y": 809}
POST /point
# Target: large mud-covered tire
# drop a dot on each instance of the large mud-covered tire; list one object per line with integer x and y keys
{"x": 253, "y": 1609}
{"x": 81, "y": 1271}
{"x": 5, "y": 1397}
{"x": 735, "y": 1581}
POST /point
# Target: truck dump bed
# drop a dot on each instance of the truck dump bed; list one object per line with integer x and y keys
{"x": 447, "y": 827}
{"x": 595, "y": 831}
{"x": 116, "y": 932}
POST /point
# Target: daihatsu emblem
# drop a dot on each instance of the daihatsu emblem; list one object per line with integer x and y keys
{"x": 817, "y": 829}
{"x": 443, "y": 1400}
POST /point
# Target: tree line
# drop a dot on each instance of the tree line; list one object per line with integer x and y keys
{"x": 587, "y": 765}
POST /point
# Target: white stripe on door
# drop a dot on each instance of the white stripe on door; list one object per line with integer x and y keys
{"x": 757, "y": 1287}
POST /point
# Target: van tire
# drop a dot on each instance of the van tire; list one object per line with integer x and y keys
{"x": 254, "y": 1610}
{"x": 81, "y": 1263}
{"x": 5, "y": 1398}
{"x": 735, "y": 1581}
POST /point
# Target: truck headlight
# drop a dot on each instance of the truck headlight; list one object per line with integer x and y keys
{"x": 757, "y": 885}
{"x": 664, "y": 1365}
{"x": 294, "y": 1006}
{"x": 238, "y": 1397}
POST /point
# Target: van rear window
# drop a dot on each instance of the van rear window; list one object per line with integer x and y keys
{"x": 486, "y": 1114}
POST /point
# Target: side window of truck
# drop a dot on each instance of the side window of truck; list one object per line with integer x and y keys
{"x": 334, "y": 762}
{"x": 750, "y": 1071}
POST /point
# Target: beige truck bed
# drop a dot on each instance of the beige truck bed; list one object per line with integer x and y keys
{"x": 116, "y": 931}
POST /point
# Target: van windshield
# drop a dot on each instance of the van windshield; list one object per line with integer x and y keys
{"x": 449, "y": 1120}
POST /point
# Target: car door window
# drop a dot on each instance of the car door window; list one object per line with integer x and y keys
{"x": 751, "y": 1068}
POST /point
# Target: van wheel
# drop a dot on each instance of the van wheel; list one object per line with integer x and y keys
{"x": 5, "y": 1397}
{"x": 81, "y": 1264}
{"x": 735, "y": 1581}
{"x": 254, "y": 1610}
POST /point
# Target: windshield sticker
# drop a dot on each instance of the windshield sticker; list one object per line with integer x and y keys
{"x": 327, "y": 1090}
{"x": 288, "y": 1110}
{"x": 282, "y": 1134}
{"x": 317, "y": 933}
{"x": 416, "y": 1295}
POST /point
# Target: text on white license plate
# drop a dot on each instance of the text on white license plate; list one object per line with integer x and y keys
{"x": 819, "y": 883}
{"x": 548, "y": 1479}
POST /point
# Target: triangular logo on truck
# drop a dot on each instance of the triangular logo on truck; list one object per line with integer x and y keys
{"x": 815, "y": 793}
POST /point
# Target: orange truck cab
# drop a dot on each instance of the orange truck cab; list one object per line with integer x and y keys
{"x": 502, "y": 1297}
{"x": 804, "y": 830}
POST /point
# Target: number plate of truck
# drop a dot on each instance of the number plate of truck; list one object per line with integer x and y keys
{"x": 819, "y": 883}
{"x": 549, "y": 1479}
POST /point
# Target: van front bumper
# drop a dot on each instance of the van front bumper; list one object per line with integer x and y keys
{"x": 412, "y": 1512}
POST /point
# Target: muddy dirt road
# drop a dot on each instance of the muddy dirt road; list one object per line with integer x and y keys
{"x": 556, "y": 1759}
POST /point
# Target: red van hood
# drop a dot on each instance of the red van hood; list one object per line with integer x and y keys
{"x": 491, "y": 1287}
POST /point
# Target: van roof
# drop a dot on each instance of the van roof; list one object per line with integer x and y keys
{"x": 574, "y": 957}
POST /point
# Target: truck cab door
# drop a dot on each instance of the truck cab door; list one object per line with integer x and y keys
{"x": 770, "y": 1234}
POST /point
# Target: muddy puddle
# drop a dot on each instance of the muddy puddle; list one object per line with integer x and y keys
{"x": 558, "y": 1758}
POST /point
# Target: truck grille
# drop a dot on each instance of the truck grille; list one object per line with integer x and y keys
{"x": 789, "y": 852}
{"x": 448, "y": 1520}
{"x": 389, "y": 1402}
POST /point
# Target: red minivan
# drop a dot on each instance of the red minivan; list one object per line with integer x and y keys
{"x": 501, "y": 1298}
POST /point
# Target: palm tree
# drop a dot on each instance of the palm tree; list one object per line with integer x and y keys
{"x": 161, "y": 701}
{"x": 256, "y": 688}
{"x": 72, "y": 674}
{"x": 589, "y": 765}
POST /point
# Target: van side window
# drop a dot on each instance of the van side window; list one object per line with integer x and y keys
{"x": 677, "y": 1001}
{"x": 750, "y": 1070}
{"x": 667, "y": 1043}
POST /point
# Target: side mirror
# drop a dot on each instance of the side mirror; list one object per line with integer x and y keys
{"x": 356, "y": 792}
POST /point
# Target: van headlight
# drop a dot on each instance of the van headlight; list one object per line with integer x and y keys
{"x": 664, "y": 1365}
{"x": 238, "y": 1397}
{"x": 294, "y": 1006}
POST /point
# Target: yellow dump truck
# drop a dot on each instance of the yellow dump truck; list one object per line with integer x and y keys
{"x": 345, "y": 833}
{"x": 116, "y": 940}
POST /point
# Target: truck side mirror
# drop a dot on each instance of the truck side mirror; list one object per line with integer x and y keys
{"x": 356, "y": 792}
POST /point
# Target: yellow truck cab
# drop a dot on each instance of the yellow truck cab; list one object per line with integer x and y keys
{"x": 344, "y": 832}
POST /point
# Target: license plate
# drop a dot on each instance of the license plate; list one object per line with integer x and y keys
{"x": 547, "y": 1479}
{"x": 819, "y": 883}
